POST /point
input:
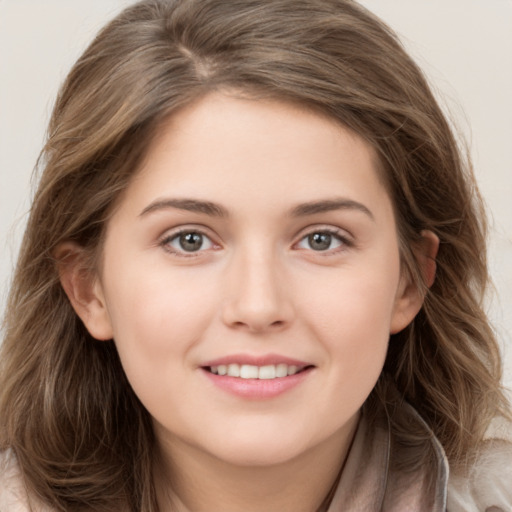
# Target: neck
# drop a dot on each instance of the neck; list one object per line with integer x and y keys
{"x": 194, "y": 481}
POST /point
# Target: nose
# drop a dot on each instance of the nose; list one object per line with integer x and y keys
{"x": 257, "y": 299}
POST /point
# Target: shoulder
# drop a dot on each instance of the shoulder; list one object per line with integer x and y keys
{"x": 488, "y": 484}
{"x": 13, "y": 495}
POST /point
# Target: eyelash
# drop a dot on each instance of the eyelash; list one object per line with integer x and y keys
{"x": 344, "y": 241}
{"x": 167, "y": 239}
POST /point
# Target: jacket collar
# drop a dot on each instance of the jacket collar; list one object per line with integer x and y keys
{"x": 395, "y": 464}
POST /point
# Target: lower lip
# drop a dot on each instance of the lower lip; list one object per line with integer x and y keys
{"x": 257, "y": 389}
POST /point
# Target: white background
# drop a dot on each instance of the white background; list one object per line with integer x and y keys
{"x": 465, "y": 47}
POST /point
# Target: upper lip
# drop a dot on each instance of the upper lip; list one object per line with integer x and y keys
{"x": 256, "y": 360}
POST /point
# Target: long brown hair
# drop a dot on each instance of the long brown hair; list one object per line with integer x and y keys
{"x": 80, "y": 435}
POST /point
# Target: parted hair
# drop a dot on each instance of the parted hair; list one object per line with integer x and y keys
{"x": 81, "y": 437}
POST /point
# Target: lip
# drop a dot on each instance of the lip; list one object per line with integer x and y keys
{"x": 257, "y": 389}
{"x": 256, "y": 360}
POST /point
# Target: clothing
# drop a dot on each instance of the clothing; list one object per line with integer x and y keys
{"x": 13, "y": 497}
{"x": 381, "y": 472}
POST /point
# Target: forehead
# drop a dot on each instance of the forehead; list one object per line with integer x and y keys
{"x": 240, "y": 149}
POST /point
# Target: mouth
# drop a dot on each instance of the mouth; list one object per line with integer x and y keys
{"x": 249, "y": 371}
{"x": 257, "y": 377}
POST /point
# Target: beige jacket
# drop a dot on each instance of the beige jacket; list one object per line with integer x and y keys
{"x": 381, "y": 474}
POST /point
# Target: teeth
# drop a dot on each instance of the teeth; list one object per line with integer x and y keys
{"x": 267, "y": 372}
{"x": 234, "y": 370}
{"x": 248, "y": 371}
{"x": 281, "y": 370}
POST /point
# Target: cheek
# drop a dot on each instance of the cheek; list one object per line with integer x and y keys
{"x": 354, "y": 331}
{"x": 352, "y": 316}
{"x": 354, "y": 300}
{"x": 158, "y": 320}
{"x": 156, "y": 314}
{"x": 357, "y": 337}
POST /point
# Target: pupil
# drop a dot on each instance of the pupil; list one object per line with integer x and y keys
{"x": 191, "y": 241}
{"x": 320, "y": 241}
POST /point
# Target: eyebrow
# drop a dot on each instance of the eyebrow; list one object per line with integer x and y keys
{"x": 191, "y": 205}
{"x": 216, "y": 210}
{"x": 330, "y": 205}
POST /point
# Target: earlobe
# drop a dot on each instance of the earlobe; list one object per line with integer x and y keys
{"x": 84, "y": 290}
{"x": 410, "y": 296}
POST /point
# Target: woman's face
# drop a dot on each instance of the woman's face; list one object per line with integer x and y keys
{"x": 258, "y": 240}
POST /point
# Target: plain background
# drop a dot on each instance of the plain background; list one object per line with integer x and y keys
{"x": 464, "y": 46}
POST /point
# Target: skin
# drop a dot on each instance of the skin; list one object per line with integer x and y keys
{"x": 256, "y": 285}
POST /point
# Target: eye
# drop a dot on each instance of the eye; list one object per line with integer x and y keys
{"x": 322, "y": 241}
{"x": 187, "y": 242}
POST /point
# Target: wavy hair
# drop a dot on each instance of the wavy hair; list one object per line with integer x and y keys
{"x": 81, "y": 437}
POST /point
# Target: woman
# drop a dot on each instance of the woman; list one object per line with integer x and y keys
{"x": 252, "y": 277}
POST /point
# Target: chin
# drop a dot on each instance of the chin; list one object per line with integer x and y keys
{"x": 263, "y": 446}
{"x": 253, "y": 455}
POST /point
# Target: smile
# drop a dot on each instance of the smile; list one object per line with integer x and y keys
{"x": 248, "y": 371}
{"x": 257, "y": 377}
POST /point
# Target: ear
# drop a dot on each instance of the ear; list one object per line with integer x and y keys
{"x": 410, "y": 296}
{"x": 84, "y": 290}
